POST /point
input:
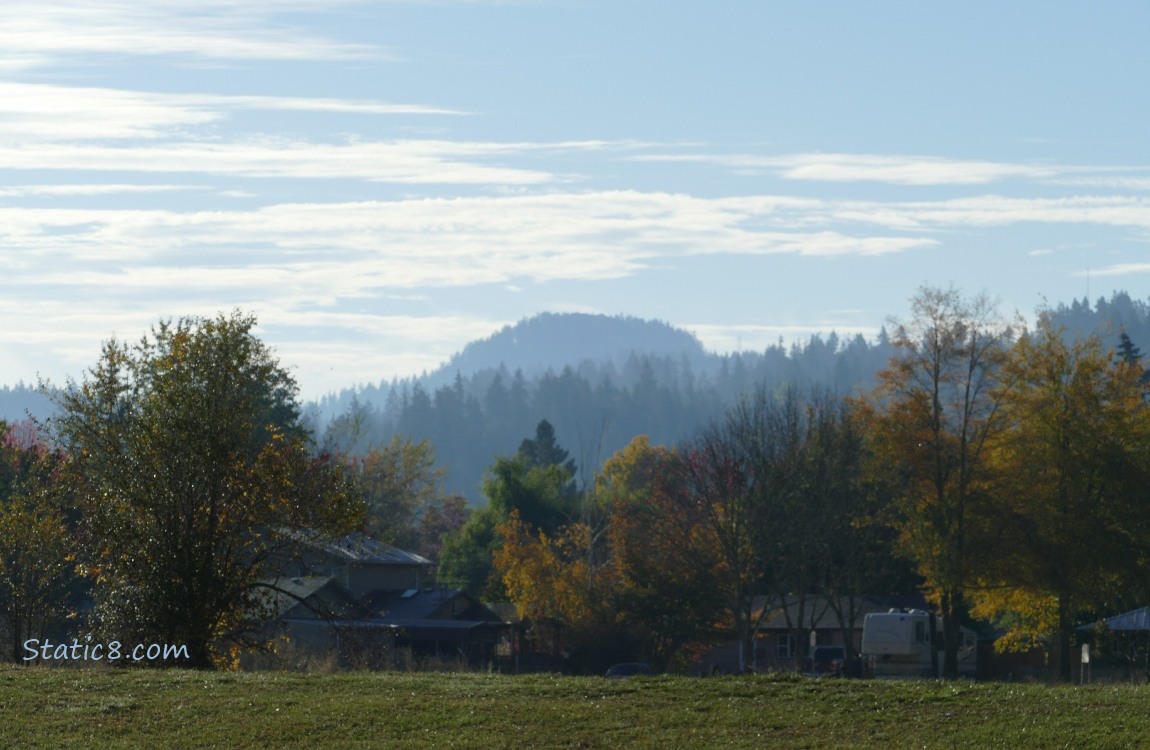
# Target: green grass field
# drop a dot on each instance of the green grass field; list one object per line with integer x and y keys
{"x": 53, "y": 708}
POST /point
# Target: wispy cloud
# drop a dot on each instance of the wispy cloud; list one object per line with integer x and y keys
{"x": 300, "y": 267}
{"x": 24, "y": 191}
{"x": 325, "y": 251}
{"x": 36, "y": 34}
{"x": 1111, "y": 182}
{"x": 895, "y": 170}
{"x": 1120, "y": 269}
{"x": 40, "y": 112}
{"x": 414, "y": 162}
{"x": 997, "y": 210}
{"x": 986, "y": 211}
{"x": 903, "y": 170}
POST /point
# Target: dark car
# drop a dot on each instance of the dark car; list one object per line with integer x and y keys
{"x": 629, "y": 669}
{"x": 828, "y": 660}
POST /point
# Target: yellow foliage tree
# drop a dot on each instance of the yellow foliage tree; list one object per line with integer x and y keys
{"x": 556, "y": 584}
{"x": 1071, "y": 493}
{"x": 931, "y": 421}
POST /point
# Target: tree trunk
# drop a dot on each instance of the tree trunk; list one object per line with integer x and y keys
{"x": 951, "y": 637}
{"x": 1065, "y": 629}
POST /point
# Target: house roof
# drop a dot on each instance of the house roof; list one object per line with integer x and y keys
{"x": 362, "y": 548}
{"x": 427, "y": 604}
{"x": 434, "y": 614}
{"x": 1135, "y": 620}
{"x": 357, "y": 547}
{"x": 322, "y": 593}
{"x": 443, "y": 630}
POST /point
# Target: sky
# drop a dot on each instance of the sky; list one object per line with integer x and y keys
{"x": 382, "y": 181}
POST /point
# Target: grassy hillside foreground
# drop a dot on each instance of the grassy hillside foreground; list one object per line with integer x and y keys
{"x": 138, "y": 708}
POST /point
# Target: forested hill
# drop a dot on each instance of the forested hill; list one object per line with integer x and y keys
{"x": 1108, "y": 318}
{"x": 548, "y": 341}
{"x": 19, "y": 401}
{"x": 551, "y": 341}
{"x": 601, "y": 380}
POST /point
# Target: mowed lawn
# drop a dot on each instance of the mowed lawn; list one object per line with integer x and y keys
{"x": 50, "y": 708}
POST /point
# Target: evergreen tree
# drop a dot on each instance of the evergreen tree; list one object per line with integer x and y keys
{"x": 544, "y": 450}
{"x": 1129, "y": 353}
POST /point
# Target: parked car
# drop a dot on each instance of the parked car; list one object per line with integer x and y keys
{"x": 828, "y": 660}
{"x": 629, "y": 669}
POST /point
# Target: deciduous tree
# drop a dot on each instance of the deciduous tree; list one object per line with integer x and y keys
{"x": 192, "y": 463}
{"x": 669, "y": 595}
{"x": 1072, "y": 493}
{"x": 565, "y": 591}
{"x": 533, "y": 483}
{"x": 708, "y": 499}
{"x": 37, "y": 554}
{"x": 399, "y": 482}
{"x": 932, "y": 418}
{"x": 444, "y": 516}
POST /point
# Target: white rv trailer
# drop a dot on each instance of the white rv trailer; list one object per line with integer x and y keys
{"x": 897, "y": 644}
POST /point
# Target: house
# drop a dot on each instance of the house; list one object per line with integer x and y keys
{"x": 298, "y": 609}
{"x": 439, "y": 623}
{"x": 357, "y": 602}
{"x": 360, "y": 564}
{"x": 1119, "y": 647}
{"x": 1113, "y": 649}
{"x": 789, "y": 629}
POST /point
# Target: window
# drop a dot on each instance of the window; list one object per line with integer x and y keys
{"x": 920, "y": 631}
{"x": 784, "y": 649}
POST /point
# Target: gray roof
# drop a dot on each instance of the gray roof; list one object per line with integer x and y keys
{"x": 447, "y": 630}
{"x": 357, "y": 547}
{"x": 281, "y": 595}
{"x": 1137, "y": 620}
{"x": 360, "y": 548}
{"x": 416, "y": 604}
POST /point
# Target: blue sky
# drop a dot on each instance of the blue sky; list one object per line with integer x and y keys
{"x": 382, "y": 181}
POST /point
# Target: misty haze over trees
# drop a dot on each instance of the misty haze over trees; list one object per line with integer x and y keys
{"x": 600, "y": 381}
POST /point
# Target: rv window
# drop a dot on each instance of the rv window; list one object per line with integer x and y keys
{"x": 920, "y": 631}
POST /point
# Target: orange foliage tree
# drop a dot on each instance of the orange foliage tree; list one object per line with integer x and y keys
{"x": 669, "y": 595}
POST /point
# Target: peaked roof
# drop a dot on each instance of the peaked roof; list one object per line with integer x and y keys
{"x": 1134, "y": 620}
{"x": 282, "y": 595}
{"x": 425, "y": 604}
{"x": 357, "y": 547}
